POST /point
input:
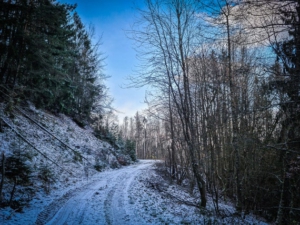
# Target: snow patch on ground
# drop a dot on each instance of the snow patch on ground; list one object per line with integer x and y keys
{"x": 162, "y": 202}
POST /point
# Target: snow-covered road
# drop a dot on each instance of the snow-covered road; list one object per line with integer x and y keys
{"x": 139, "y": 194}
{"x": 106, "y": 201}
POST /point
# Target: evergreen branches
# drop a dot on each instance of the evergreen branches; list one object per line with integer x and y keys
{"x": 46, "y": 50}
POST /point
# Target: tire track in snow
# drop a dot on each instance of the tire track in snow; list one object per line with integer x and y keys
{"x": 73, "y": 212}
{"x": 114, "y": 203}
{"x": 105, "y": 201}
{"x": 118, "y": 208}
{"x": 54, "y": 207}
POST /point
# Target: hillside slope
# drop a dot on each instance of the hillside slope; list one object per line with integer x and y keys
{"x": 45, "y": 153}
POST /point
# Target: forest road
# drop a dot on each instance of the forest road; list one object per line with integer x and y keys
{"x": 105, "y": 201}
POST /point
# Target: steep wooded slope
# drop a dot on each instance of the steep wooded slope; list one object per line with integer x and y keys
{"x": 42, "y": 151}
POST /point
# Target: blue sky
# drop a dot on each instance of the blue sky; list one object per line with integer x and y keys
{"x": 111, "y": 18}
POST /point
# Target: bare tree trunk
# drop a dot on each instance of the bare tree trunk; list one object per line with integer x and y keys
{"x": 172, "y": 159}
{"x": 233, "y": 102}
{"x": 281, "y": 201}
{"x": 2, "y": 176}
{"x": 12, "y": 193}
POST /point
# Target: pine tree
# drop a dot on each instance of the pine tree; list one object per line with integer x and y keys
{"x": 17, "y": 171}
{"x": 85, "y": 69}
{"x": 48, "y": 56}
{"x": 130, "y": 149}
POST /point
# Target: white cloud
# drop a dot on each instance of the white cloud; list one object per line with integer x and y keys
{"x": 129, "y": 108}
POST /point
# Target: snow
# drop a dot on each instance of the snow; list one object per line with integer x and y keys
{"x": 65, "y": 131}
{"x": 124, "y": 196}
{"x": 135, "y": 194}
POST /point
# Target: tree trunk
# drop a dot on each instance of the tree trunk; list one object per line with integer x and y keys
{"x": 199, "y": 179}
{"x": 233, "y": 105}
{"x": 2, "y": 175}
{"x": 13, "y": 191}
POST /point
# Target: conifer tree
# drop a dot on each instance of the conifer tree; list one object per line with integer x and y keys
{"x": 48, "y": 56}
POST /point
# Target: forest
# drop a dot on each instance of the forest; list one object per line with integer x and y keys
{"x": 224, "y": 106}
{"x": 50, "y": 58}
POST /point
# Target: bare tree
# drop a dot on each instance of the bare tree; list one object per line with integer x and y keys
{"x": 170, "y": 36}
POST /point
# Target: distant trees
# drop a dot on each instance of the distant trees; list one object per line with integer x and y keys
{"x": 47, "y": 56}
{"x": 106, "y": 127}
